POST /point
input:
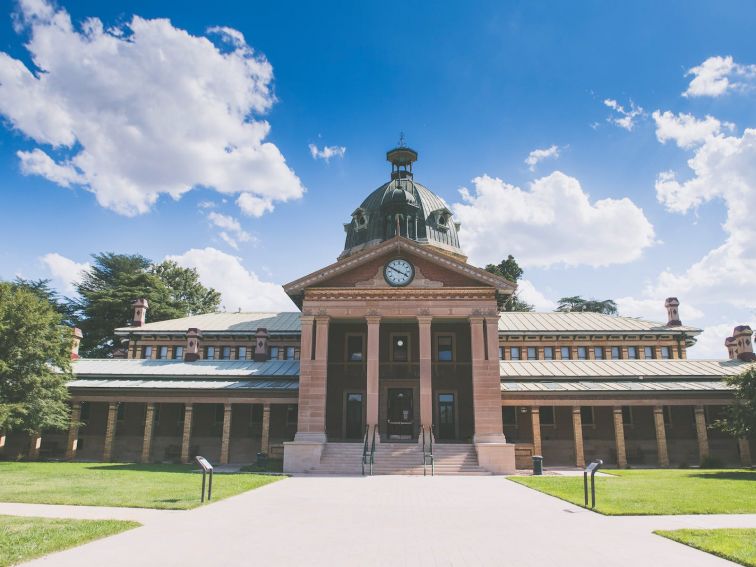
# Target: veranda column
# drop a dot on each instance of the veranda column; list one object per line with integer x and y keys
{"x": 149, "y": 426}
{"x": 373, "y": 371}
{"x": 619, "y": 438}
{"x": 73, "y": 431}
{"x": 426, "y": 368}
{"x": 110, "y": 431}
{"x": 187, "y": 435}
{"x": 661, "y": 437}
{"x": 226, "y": 435}
{"x": 577, "y": 430}
{"x": 312, "y": 385}
{"x": 35, "y": 442}
{"x": 265, "y": 436}
{"x": 745, "y": 452}
{"x": 535, "y": 419}
{"x": 2, "y": 442}
{"x": 701, "y": 433}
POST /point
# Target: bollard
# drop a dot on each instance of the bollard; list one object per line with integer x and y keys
{"x": 537, "y": 465}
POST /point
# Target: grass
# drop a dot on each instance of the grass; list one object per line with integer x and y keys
{"x": 22, "y": 539}
{"x": 172, "y": 487}
{"x": 738, "y": 545}
{"x": 644, "y": 492}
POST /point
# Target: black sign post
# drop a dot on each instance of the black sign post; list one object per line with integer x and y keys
{"x": 206, "y": 468}
{"x": 591, "y": 468}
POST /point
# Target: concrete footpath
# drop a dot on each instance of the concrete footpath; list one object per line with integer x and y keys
{"x": 142, "y": 515}
{"x": 393, "y": 520}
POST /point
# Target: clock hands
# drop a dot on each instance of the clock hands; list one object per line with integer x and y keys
{"x": 399, "y": 271}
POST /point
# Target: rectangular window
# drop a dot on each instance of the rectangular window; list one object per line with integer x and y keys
{"x": 627, "y": 415}
{"x": 514, "y": 353}
{"x": 582, "y": 353}
{"x": 586, "y": 415}
{"x": 210, "y": 353}
{"x": 178, "y": 353}
{"x": 598, "y": 353}
{"x": 501, "y": 353}
{"x": 241, "y": 353}
{"x": 667, "y": 412}
{"x": 121, "y": 412}
{"x": 509, "y": 416}
{"x": 665, "y": 352}
{"x": 291, "y": 415}
{"x": 163, "y": 353}
{"x": 355, "y": 348}
{"x": 400, "y": 348}
{"x": 616, "y": 353}
{"x": 632, "y": 353}
{"x": 565, "y": 350}
{"x": 289, "y": 353}
{"x": 548, "y": 353}
{"x": 147, "y": 352}
{"x": 547, "y": 415}
{"x": 532, "y": 353}
{"x": 226, "y": 353}
{"x": 445, "y": 348}
{"x": 84, "y": 416}
{"x": 648, "y": 352}
{"x": 274, "y": 353}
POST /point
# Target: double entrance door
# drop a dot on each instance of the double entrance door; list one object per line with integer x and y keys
{"x": 400, "y": 424}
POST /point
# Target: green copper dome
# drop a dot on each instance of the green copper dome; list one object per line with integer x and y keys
{"x": 405, "y": 206}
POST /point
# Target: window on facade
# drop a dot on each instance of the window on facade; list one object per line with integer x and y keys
{"x": 532, "y": 353}
{"x": 274, "y": 350}
{"x": 648, "y": 352}
{"x": 582, "y": 353}
{"x": 121, "y": 412}
{"x": 178, "y": 353}
{"x": 664, "y": 352}
{"x": 218, "y": 415}
{"x": 667, "y": 412}
{"x": 226, "y": 353}
{"x": 157, "y": 414}
{"x": 400, "y": 348}
{"x": 586, "y": 415}
{"x": 565, "y": 351}
{"x": 627, "y": 415}
{"x": 147, "y": 352}
{"x": 290, "y": 352}
{"x": 509, "y": 416}
{"x": 291, "y": 415}
{"x": 598, "y": 353}
{"x": 255, "y": 414}
{"x": 210, "y": 353}
{"x": 241, "y": 353}
{"x": 632, "y": 352}
{"x": 616, "y": 353}
{"x": 163, "y": 352}
{"x": 548, "y": 353}
{"x": 514, "y": 353}
{"x": 445, "y": 348}
{"x": 547, "y": 415}
{"x": 501, "y": 353}
{"x": 84, "y": 416}
{"x": 355, "y": 352}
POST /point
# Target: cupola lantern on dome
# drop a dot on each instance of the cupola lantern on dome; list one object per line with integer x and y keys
{"x": 401, "y": 158}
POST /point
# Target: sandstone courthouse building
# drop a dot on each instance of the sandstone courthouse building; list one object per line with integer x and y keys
{"x": 396, "y": 345}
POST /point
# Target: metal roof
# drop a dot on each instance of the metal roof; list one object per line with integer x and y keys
{"x": 613, "y": 387}
{"x": 531, "y": 322}
{"x": 277, "y": 323}
{"x": 134, "y": 367}
{"x": 566, "y": 369}
{"x": 287, "y": 385}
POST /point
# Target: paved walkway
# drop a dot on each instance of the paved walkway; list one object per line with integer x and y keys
{"x": 394, "y": 520}
{"x": 142, "y": 515}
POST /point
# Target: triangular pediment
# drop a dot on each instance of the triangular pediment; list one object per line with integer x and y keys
{"x": 433, "y": 269}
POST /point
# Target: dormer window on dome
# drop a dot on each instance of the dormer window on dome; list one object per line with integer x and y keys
{"x": 442, "y": 219}
{"x": 360, "y": 219}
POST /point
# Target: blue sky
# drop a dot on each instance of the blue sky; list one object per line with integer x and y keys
{"x": 128, "y": 113}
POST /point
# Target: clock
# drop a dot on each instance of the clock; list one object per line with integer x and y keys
{"x": 398, "y": 272}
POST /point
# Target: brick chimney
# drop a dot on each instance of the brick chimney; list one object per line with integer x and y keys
{"x": 673, "y": 315}
{"x": 732, "y": 347}
{"x": 75, "y": 342}
{"x": 261, "y": 345}
{"x": 193, "y": 337}
{"x": 742, "y": 335}
{"x": 140, "y": 312}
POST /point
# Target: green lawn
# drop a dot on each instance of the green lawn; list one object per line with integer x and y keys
{"x": 173, "y": 487}
{"x": 738, "y": 545}
{"x": 22, "y": 539}
{"x": 643, "y": 492}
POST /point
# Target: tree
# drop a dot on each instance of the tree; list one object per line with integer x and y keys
{"x": 42, "y": 289}
{"x": 577, "y": 304}
{"x": 35, "y": 362}
{"x": 108, "y": 288}
{"x": 739, "y": 419}
{"x": 512, "y": 271}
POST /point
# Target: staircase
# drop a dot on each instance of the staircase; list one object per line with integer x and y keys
{"x": 400, "y": 458}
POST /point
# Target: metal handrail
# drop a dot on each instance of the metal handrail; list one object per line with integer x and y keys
{"x": 365, "y": 449}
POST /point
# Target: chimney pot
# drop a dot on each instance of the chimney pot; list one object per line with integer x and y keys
{"x": 140, "y": 312}
{"x": 732, "y": 347}
{"x": 192, "y": 350}
{"x": 744, "y": 345}
{"x": 75, "y": 342}
{"x": 261, "y": 345}
{"x": 673, "y": 314}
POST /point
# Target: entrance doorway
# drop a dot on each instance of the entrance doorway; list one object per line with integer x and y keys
{"x": 447, "y": 416}
{"x": 401, "y": 423}
{"x": 354, "y": 427}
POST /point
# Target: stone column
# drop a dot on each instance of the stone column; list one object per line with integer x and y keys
{"x": 701, "y": 433}
{"x": 187, "y": 435}
{"x": 312, "y": 385}
{"x": 226, "y": 435}
{"x": 149, "y": 425}
{"x": 535, "y": 418}
{"x": 110, "y": 431}
{"x": 373, "y": 371}
{"x": 661, "y": 437}
{"x": 619, "y": 438}
{"x": 35, "y": 442}
{"x": 577, "y": 430}
{"x": 73, "y": 431}
{"x": 486, "y": 384}
{"x": 265, "y": 437}
{"x": 745, "y": 452}
{"x": 2, "y": 442}
{"x": 426, "y": 369}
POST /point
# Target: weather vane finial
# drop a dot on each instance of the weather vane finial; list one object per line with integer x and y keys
{"x": 402, "y": 143}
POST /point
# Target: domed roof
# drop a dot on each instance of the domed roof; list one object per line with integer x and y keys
{"x": 406, "y": 206}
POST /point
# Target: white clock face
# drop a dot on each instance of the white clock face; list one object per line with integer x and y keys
{"x": 398, "y": 272}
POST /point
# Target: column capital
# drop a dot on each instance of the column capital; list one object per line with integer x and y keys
{"x": 424, "y": 319}
{"x": 373, "y": 319}
{"x": 535, "y": 409}
{"x": 306, "y": 319}
{"x": 188, "y": 405}
{"x": 476, "y": 319}
{"x": 322, "y": 318}
{"x": 699, "y": 409}
{"x": 617, "y": 409}
{"x": 576, "y": 409}
{"x": 659, "y": 409}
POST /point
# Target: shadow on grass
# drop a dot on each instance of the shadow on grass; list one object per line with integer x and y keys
{"x": 726, "y": 475}
{"x": 136, "y": 467}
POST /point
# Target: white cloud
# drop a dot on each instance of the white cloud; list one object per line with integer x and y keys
{"x": 685, "y": 129}
{"x": 232, "y": 232}
{"x": 552, "y": 222}
{"x": 652, "y": 309}
{"x": 327, "y": 152}
{"x": 239, "y": 287}
{"x": 254, "y": 206}
{"x": 527, "y": 292}
{"x": 65, "y": 272}
{"x": 539, "y": 155}
{"x": 624, "y": 118}
{"x": 717, "y": 75}
{"x": 142, "y": 110}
